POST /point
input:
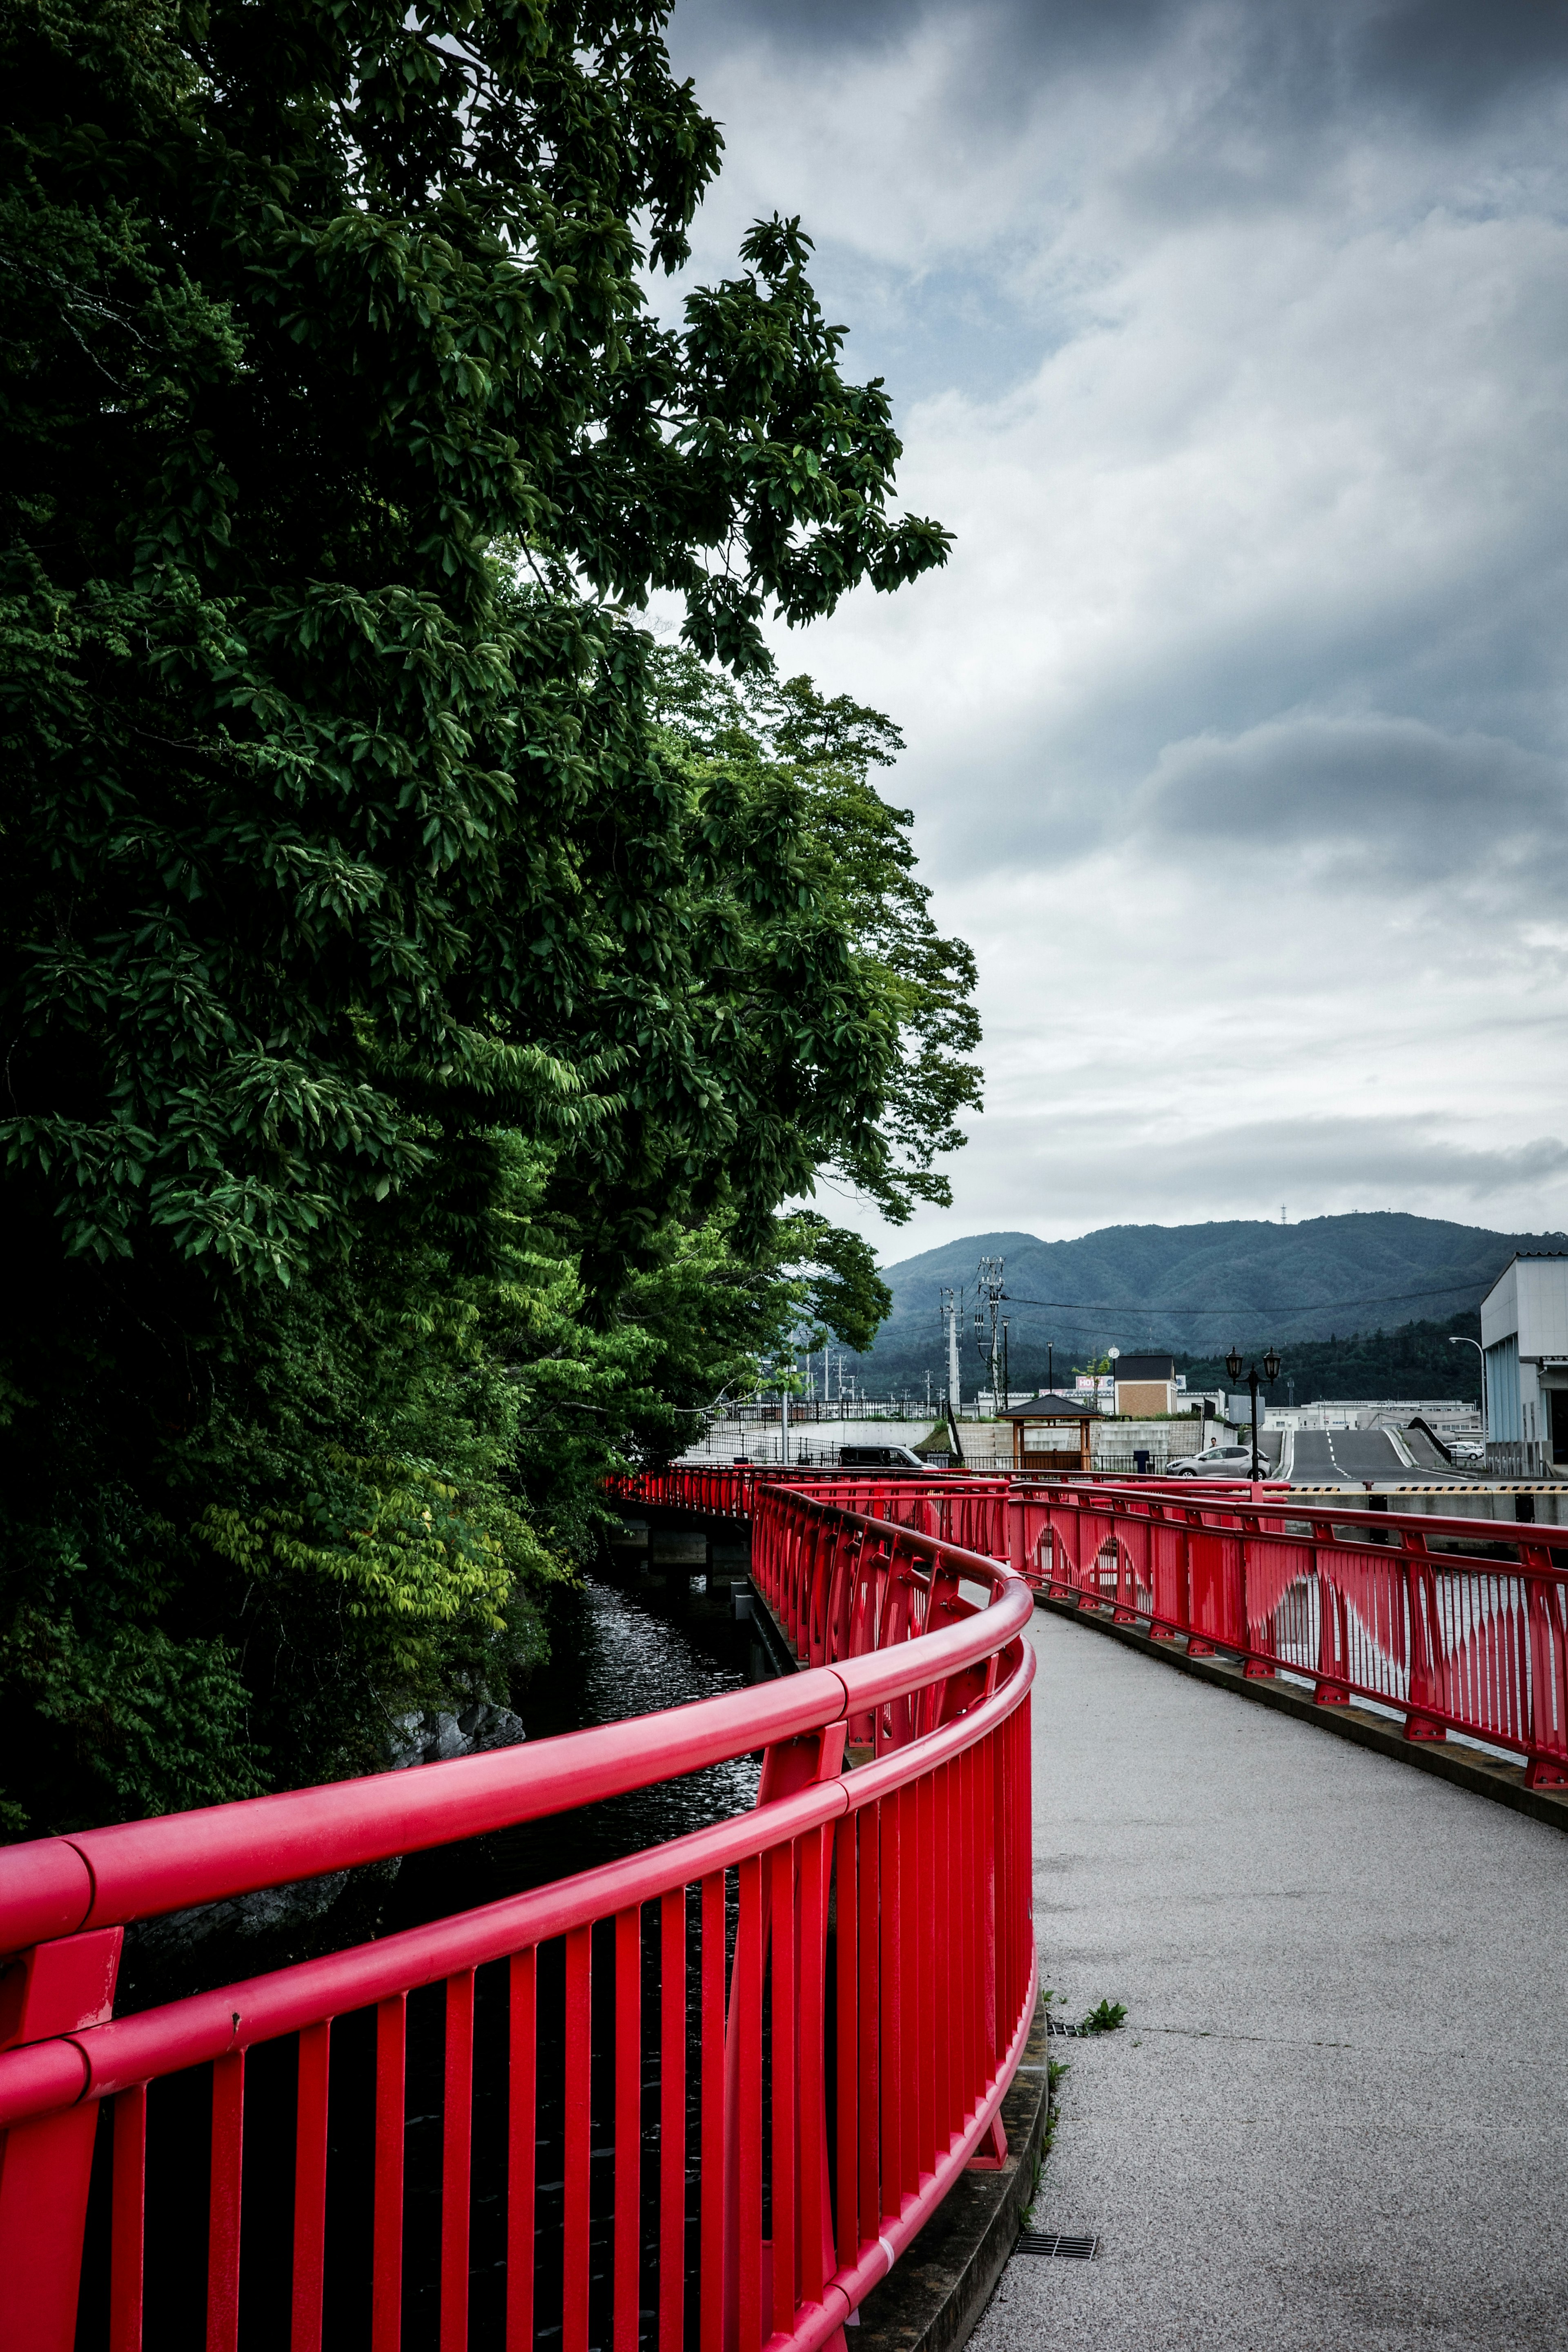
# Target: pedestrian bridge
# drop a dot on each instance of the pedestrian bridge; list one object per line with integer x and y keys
{"x": 709, "y": 2094}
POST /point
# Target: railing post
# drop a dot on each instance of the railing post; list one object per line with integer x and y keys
{"x": 789, "y": 1766}
{"x": 1420, "y": 1593}
{"x": 54, "y": 1990}
{"x": 1548, "y": 1638}
{"x": 1016, "y": 1553}
{"x": 1329, "y": 1689}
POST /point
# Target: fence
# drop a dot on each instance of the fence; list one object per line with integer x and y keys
{"x": 1515, "y": 1457}
{"x": 1458, "y": 1632}
{"x": 752, "y": 2061}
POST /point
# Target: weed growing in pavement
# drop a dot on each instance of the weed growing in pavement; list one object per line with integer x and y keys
{"x": 1055, "y": 2070}
{"x": 1108, "y": 2018}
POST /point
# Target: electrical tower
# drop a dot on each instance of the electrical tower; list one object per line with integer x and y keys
{"x": 988, "y": 1296}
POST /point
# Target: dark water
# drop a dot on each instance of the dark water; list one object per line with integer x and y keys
{"x": 635, "y": 1646}
{"x": 623, "y": 1646}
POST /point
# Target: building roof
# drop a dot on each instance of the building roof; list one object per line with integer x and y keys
{"x": 1146, "y": 1368}
{"x": 1048, "y": 1406}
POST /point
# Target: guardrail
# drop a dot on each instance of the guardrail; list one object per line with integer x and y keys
{"x": 1459, "y": 1631}
{"x": 1455, "y": 1629}
{"x": 760, "y": 2055}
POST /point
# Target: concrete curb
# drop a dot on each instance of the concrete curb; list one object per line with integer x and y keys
{"x": 770, "y": 1633}
{"x": 932, "y": 2299}
{"x": 1504, "y": 1783}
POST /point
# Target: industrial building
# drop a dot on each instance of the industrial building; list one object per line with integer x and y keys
{"x": 1524, "y": 1333}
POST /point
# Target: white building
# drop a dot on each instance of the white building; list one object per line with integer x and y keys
{"x": 1524, "y": 1331}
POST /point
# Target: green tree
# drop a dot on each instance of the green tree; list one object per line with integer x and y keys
{"x": 365, "y": 1048}
{"x": 801, "y": 764}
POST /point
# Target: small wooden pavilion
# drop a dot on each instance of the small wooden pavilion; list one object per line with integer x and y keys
{"x": 1053, "y": 1412}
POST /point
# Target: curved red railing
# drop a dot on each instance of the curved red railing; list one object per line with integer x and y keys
{"x": 776, "y": 2041}
{"x": 1461, "y": 1624}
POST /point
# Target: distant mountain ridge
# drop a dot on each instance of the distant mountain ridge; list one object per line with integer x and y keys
{"x": 1193, "y": 1288}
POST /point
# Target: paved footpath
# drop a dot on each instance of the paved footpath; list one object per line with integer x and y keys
{"x": 1338, "y": 2114}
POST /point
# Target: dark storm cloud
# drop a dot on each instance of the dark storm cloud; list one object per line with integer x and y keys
{"x": 1394, "y": 791}
{"x": 1451, "y": 56}
{"x": 1458, "y": 58}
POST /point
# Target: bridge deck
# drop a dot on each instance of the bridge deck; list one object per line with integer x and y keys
{"x": 1338, "y": 2116}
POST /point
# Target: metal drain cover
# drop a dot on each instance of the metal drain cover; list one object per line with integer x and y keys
{"x": 1055, "y": 2026}
{"x": 1078, "y": 2246}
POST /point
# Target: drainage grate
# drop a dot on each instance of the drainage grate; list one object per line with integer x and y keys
{"x": 1058, "y": 2246}
{"x": 1055, "y": 2026}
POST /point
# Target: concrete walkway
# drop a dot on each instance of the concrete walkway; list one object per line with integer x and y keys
{"x": 1338, "y": 2114}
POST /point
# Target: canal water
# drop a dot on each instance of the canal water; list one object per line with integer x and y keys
{"x": 626, "y": 1643}
{"x": 634, "y": 1645}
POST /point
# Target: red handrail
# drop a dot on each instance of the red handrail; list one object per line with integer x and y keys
{"x": 925, "y": 1981}
{"x": 1386, "y": 1608}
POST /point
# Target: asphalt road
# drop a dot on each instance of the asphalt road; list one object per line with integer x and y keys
{"x": 1323, "y": 1456}
{"x": 1336, "y": 2120}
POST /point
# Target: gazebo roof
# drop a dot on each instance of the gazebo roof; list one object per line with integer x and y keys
{"x": 1046, "y": 1406}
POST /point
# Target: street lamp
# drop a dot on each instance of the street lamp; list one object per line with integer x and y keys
{"x": 1460, "y": 1339}
{"x": 1271, "y": 1368}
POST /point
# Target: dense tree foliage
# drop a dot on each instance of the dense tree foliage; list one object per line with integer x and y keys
{"x": 1415, "y": 1360}
{"x": 419, "y": 993}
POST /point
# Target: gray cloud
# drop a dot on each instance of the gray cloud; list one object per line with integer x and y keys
{"x": 1069, "y": 1174}
{"x": 1394, "y": 795}
{"x": 1267, "y": 59}
{"x": 1230, "y": 339}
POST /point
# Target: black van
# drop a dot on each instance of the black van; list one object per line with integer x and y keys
{"x": 880, "y": 1457}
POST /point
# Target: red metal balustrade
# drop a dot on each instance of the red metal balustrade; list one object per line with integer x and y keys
{"x": 774, "y": 2042}
{"x": 1461, "y": 1624}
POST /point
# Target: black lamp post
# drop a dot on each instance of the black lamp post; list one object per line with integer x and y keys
{"x": 1270, "y": 1373}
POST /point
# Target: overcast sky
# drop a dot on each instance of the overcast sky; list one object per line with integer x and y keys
{"x": 1232, "y": 342}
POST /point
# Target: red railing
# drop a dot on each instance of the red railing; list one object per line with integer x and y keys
{"x": 1461, "y": 1624}
{"x": 971, "y": 1512}
{"x": 770, "y": 2046}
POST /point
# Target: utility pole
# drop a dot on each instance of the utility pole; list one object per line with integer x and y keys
{"x": 949, "y": 1318}
{"x": 988, "y": 1296}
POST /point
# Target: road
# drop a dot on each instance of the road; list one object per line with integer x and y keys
{"x": 1326, "y": 1457}
{"x": 1336, "y": 2120}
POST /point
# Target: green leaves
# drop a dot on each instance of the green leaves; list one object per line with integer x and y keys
{"x": 389, "y": 983}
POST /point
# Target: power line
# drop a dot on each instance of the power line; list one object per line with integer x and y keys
{"x": 1308, "y": 1307}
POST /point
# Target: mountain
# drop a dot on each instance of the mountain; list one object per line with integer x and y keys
{"x": 1190, "y": 1289}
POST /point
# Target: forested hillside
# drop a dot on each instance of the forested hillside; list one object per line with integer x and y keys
{"x": 1412, "y": 1359}
{"x": 1195, "y": 1289}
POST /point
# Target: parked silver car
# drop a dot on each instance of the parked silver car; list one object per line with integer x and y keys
{"x": 1219, "y": 1462}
